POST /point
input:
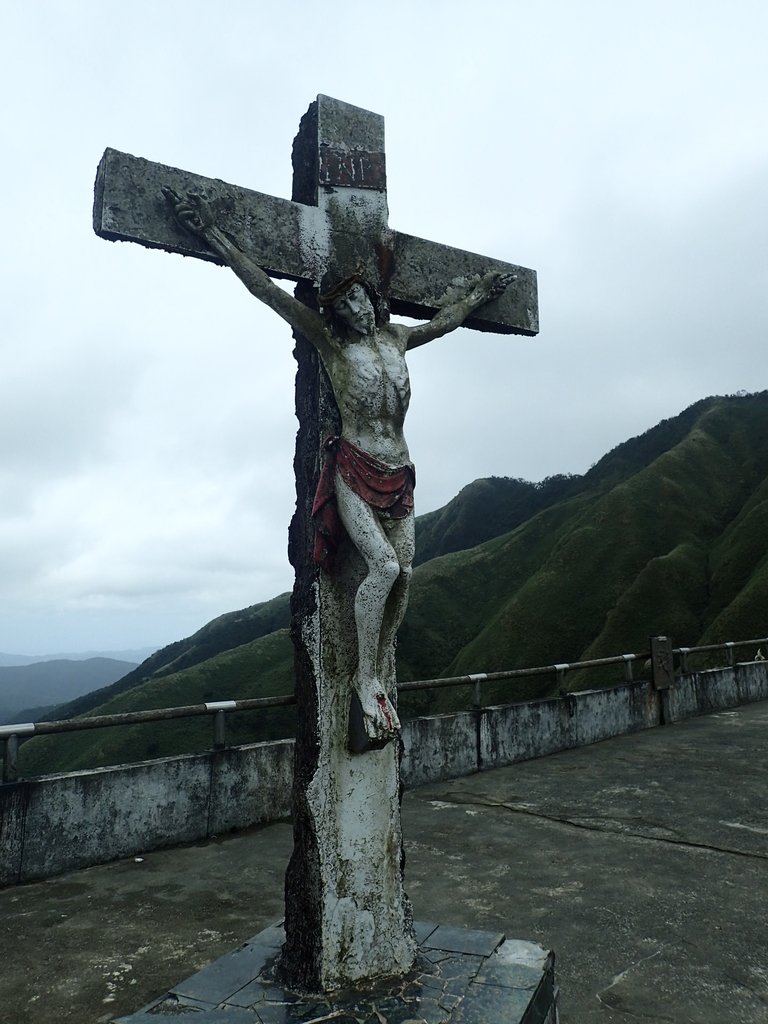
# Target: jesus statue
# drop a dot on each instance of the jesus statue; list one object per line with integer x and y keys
{"x": 366, "y": 485}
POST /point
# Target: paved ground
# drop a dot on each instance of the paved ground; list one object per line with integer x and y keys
{"x": 642, "y": 861}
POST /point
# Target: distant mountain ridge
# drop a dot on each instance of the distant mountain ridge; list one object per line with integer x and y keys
{"x": 133, "y": 655}
{"x": 44, "y": 685}
{"x": 225, "y": 633}
{"x": 668, "y": 533}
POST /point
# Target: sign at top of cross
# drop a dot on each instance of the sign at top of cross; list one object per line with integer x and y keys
{"x": 335, "y": 224}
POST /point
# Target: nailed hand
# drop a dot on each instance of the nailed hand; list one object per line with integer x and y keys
{"x": 499, "y": 283}
{"x": 191, "y": 211}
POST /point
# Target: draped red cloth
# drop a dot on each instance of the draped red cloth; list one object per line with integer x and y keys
{"x": 387, "y": 489}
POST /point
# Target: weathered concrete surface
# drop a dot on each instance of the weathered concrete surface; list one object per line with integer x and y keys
{"x": 642, "y": 861}
{"x": 438, "y": 747}
{"x": 129, "y": 206}
{"x": 702, "y": 692}
{"x": 249, "y": 785}
{"x": 346, "y": 913}
{"x": 518, "y": 732}
{"x": 60, "y": 822}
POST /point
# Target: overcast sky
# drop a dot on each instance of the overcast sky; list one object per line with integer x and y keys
{"x": 619, "y": 148}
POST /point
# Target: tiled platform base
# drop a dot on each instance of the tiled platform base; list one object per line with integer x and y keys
{"x": 460, "y": 977}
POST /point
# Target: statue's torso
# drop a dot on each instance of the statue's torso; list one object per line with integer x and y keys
{"x": 370, "y": 380}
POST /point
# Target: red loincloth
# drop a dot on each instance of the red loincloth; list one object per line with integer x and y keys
{"x": 388, "y": 490}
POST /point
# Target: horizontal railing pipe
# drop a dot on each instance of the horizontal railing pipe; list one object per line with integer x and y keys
{"x": 161, "y": 714}
{"x": 11, "y": 735}
{"x": 722, "y": 646}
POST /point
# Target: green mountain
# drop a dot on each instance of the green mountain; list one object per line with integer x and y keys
{"x": 665, "y": 534}
{"x": 225, "y": 633}
{"x": 485, "y": 509}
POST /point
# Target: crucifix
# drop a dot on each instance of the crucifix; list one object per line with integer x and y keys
{"x": 351, "y": 538}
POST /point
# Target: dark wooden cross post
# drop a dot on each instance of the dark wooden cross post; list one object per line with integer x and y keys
{"x": 347, "y": 916}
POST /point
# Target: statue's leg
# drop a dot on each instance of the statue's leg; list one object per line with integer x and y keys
{"x": 401, "y": 534}
{"x": 368, "y": 536}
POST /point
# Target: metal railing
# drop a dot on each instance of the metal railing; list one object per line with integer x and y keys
{"x": 13, "y": 735}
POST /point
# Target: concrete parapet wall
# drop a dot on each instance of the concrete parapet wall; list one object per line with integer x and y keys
{"x": 57, "y": 823}
{"x": 701, "y": 692}
{"x": 519, "y": 732}
{"x": 250, "y": 785}
{"x": 438, "y": 747}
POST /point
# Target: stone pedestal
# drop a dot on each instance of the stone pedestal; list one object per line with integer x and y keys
{"x": 458, "y": 977}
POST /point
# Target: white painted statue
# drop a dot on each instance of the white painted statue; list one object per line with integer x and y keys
{"x": 369, "y": 482}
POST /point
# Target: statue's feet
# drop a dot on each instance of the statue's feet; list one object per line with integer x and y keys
{"x": 380, "y": 719}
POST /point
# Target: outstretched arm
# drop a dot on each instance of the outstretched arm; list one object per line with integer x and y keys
{"x": 194, "y": 214}
{"x": 456, "y": 307}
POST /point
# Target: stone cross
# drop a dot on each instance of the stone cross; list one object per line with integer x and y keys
{"x": 347, "y": 916}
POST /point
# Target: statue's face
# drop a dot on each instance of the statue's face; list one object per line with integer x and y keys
{"x": 356, "y": 310}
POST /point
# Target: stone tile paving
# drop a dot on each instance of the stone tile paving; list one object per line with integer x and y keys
{"x": 461, "y": 976}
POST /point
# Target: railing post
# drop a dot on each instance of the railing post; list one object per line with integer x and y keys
{"x": 477, "y": 707}
{"x": 684, "y": 652}
{"x": 662, "y": 673}
{"x": 561, "y": 670}
{"x": 477, "y": 698}
{"x": 220, "y": 707}
{"x": 219, "y": 730}
{"x": 11, "y": 759}
{"x": 11, "y": 734}
{"x": 662, "y": 663}
{"x": 628, "y": 659}
{"x": 729, "y": 652}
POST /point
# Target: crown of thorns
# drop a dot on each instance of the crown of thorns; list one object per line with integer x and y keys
{"x": 343, "y": 286}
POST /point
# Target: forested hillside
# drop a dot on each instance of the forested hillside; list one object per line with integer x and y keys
{"x": 666, "y": 533}
{"x": 673, "y": 543}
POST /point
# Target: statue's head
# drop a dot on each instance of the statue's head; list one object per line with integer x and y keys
{"x": 355, "y": 303}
